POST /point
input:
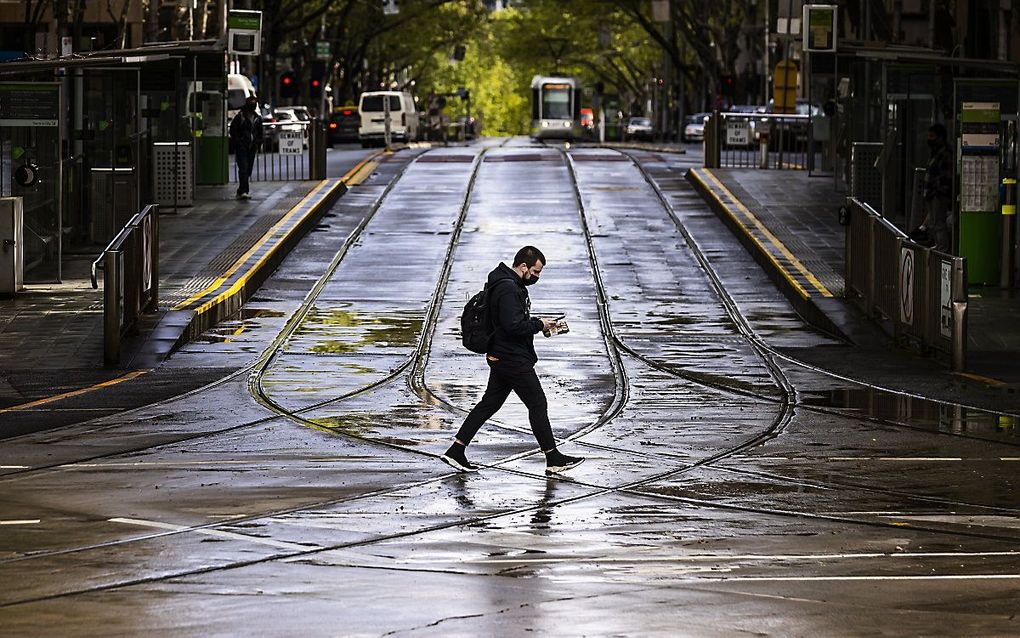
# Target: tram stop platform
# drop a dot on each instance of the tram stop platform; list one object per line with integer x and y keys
{"x": 213, "y": 255}
{"x": 794, "y": 218}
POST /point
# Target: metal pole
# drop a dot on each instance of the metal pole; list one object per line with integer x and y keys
{"x": 111, "y": 307}
{"x": 387, "y": 136}
{"x": 959, "y": 315}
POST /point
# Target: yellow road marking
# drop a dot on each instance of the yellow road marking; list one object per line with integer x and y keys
{"x": 348, "y": 178}
{"x": 819, "y": 286}
{"x": 74, "y": 393}
{"x": 981, "y": 378}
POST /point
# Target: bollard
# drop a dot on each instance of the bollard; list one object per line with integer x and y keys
{"x": 763, "y": 150}
{"x": 959, "y": 336}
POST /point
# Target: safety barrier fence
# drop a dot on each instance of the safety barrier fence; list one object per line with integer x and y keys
{"x": 297, "y": 152}
{"x": 918, "y": 294}
{"x": 130, "y": 265}
{"x": 757, "y": 140}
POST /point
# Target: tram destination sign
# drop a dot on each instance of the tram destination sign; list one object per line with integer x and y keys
{"x": 29, "y": 104}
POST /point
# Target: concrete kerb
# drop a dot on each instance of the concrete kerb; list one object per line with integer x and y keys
{"x": 204, "y": 314}
{"x": 811, "y": 308}
{"x": 653, "y": 148}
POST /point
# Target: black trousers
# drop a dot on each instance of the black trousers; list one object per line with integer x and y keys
{"x": 506, "y": 377}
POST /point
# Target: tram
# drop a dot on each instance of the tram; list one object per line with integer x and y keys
{"x": 555, "y": 108}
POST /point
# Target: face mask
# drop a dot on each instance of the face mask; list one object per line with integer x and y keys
{"x": 532, "y": 281}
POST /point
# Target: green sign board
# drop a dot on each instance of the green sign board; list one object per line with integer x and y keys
{"x": 322, "y": 50}
{"x": 29, "y": 104}
{"x": 246, "y": 20}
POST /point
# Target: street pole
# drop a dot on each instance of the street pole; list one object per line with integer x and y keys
{"x": 387, "y": 137}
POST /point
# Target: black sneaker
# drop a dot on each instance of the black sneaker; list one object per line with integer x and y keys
{"x": 559, "y": 462}
{"x": 457, "y": 459}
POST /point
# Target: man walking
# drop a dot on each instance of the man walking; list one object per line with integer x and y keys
{"x": 511, "y": 358}
{"x": 246, "y": 136}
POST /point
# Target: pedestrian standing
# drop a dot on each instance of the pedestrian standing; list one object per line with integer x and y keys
{"x": 246, "y": 136}
{"x": 511, "y": 358}
{"x": 938, "y": 190}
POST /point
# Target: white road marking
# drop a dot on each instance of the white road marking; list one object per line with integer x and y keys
{"x": 213, "y": 532}
{"x": 1009, "y": 522}
{"x": 531, "y": 558}
{"x": 14, "y": 467}
{"x": 778, "y": 579}
{"x": 921, "y": 458}
{"x": 24, "y": 521}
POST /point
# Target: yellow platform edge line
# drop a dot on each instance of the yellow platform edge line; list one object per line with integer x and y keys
{"x": 775, "y": 241}
{"x": 74, "y": 393}
{"x": 215, "y": 285}
{"x": 240, "y": 261}
{"x": 761, "y": 247}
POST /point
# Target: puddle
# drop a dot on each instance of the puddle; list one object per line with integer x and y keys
{"x": 341, "y": 331}
{"x": 917, "y": 412}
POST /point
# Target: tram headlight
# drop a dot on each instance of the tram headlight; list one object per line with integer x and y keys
{"x": 566, "y": 124}
{"x": 545, "y": 124}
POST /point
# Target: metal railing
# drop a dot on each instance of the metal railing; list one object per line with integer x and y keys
{"x": 918, "y": 294}
{"x": 130, "y": 265}
{"x": 297, "y": 152}
{"x": 757, "y": 140}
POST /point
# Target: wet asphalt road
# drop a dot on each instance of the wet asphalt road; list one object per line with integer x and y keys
{"x": 727, "y": 490}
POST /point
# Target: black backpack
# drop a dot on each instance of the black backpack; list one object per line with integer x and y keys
{"x": 475, "y": 327}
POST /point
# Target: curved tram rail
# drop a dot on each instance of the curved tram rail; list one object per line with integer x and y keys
{"x": 617, "y": 349}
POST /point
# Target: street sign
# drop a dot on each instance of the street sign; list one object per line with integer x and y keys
{"x": 738, "y": 133}
{"x": 907, "y": 285}
{"x": 322, "y": 50}
{"x": 245, "y": 32}
{"x": 291, "y": 142}
{"x": 29, "y": 104}
{"x": 819, "y": 28}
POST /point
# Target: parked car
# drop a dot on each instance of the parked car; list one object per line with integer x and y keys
{"x": 694, "y": 129}
{"x": 343, "y": 125}
{"x": 639, "y": 128}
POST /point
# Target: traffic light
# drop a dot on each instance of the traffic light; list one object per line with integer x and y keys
{"x": 727, "y": 85}
{"x": 317, "y": 79}
{"x": 289, "y": 85}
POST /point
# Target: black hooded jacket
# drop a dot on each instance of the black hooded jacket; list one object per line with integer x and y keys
{"x": 509, "y": 308}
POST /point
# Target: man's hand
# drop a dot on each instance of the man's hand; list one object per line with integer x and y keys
{"x": 548, "y": 324}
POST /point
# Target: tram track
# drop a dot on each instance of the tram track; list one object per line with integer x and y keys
{"x": 415, "y": 367}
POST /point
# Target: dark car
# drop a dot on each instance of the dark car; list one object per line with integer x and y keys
{"x": 343, "y": 125}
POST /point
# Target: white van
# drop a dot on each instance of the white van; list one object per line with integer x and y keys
{"x": 239, "y": 88}
{"x": 403, "y": 117}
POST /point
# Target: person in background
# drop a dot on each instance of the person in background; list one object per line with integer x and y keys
{"x": 246, "y": 137}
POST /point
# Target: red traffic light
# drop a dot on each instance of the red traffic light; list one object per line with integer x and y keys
{"x": 316, "y": 83}
{"x": 287, "y": 80}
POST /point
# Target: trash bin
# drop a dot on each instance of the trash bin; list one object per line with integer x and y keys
{"x": 12, "y": 246}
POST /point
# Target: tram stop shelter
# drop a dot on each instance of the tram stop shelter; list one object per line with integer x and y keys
{"x": 886, "y": 98}
{"x": 86, "y": 140}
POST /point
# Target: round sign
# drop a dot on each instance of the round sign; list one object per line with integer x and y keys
{"x": 26, "y": 174}
{"x": 907, "y": 286}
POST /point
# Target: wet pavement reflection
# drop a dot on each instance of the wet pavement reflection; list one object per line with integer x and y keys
{"x": 726, "y": 490}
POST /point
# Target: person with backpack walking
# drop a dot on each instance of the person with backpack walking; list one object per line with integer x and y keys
{"x": 246, "y": 136}
{"x": 510, "y": 354}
